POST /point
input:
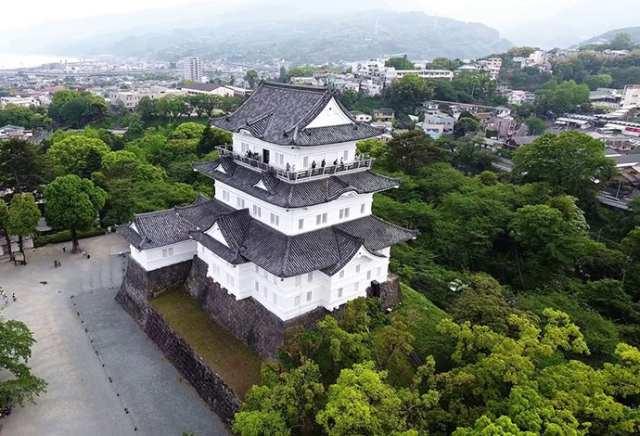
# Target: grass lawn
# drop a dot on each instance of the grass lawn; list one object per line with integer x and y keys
{"x": 226, "y": 355}
{"x": 422, "y": 317}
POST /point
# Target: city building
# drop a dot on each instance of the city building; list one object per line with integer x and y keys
{"x": 437, "y": 123}
{"x": 393, "y": 74}
{"x": 605, "y": 98}
{"x": 384, "y": 115}
{"x": 518, "y": 97}
{"x": 631, "y": 96}
{"x": 192, "y": 69}
{"x": 213, "y": 89}
{"x": 361, "y": 117}
{"x": 15, "y": 132}
{"x": 491, "y": 66}
{"x": 290, "y": 234}
{"x": 19, "y": 101}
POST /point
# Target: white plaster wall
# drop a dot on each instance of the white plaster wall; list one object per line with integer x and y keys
{"x": 331, "y": 115}
{"x": 294, "y": 296}
{"x": 154, "y": 258}
{"x": 298, "y": 158}
{"x": 359, "y": 206}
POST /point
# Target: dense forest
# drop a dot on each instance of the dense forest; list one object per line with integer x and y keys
{"x": 519, "y": 312}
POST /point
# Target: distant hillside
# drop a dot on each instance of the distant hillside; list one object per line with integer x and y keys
{"x": 607, "y": 37}
{"x": 298, "y": 39}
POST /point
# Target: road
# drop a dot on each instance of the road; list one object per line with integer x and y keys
{"x": 105, "y": 376}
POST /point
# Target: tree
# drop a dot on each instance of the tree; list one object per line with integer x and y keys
{"x": 465, "y": 126}
{"x": 535, "y": 125}
{"x": 622, "y": 41}
{"x": 560, "y": 97}
{"x": 362, "y": 403}
{"x": 75, "y": 109}
{"x": 570, "y": 162}
{"x": 408, "y": 93}
{"x": 252, "y": 78}
{"x": 22, "y": 166}
{"x": 412, "y": 150}
{"x": 77, "y": 154}
{"x": 23, "y": 218}
{"x": 212, "y": 138}
{"x": 285, "y": 400}
{"x": 15, "y": 351}
{"x": 4, "y": 224}
{"x": 598, "y": 81}
{"x": 73, "y": 203}
{"x": 400, "y": 63}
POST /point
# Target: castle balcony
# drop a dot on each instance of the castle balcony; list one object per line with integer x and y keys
{"x": 252, "y": 160}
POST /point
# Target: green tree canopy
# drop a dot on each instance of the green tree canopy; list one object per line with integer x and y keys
{"x": 77, "y": 154}
{"x": 73, "y": 203}
{"x": 16, "y": 341}
{"x": 399, "y": 63}
{"x": 76, "y": 109}
{"x": 23, "y": 218}
{"x": 23, "y": 167}
{"x": 570, "y": 162}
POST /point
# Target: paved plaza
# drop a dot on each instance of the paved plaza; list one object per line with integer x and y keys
{"x": 105, "y": 376}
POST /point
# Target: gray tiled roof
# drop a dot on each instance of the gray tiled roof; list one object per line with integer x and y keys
{"x": 291, "y": 195}
{"x": 249, "y": 240}
{"x": 279, "y": 114}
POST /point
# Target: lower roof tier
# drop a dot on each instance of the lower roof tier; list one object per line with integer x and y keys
{"x": 269, "y": 188}
{"x": 248, "y": 240}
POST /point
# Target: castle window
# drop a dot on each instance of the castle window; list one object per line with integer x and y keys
{"x": 318, "y": 219}
{"x": 298, "y": 280}
{"x": 324, "y": 218}
{"x": 225, "y": 195}
{"x": 301, "y": 223}
{"x": 362, "y": 206}
{"x": 357, "y": 268}
{"x": 305, "y": 162}
{"x": 240, "y": 202}
{"x": 310, "y": 276}
{"x": 346, "y": 156}
{"x": 309, "y": 295}
{"x": 170, "y": 251}
{"x": 257, "y": 212}
{"x": 369, "y": 275}
{"x": 344, "y": 213}
{"x": 257, "y": 286}
{"x": 275, "y": 219}
{"x": 340, "y": 291}
{"x": 296, "y": 301}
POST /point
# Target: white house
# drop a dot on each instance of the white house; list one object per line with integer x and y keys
{"x": 437, "y": 123}
{"x": 291, "y": 224}
{"x": 631, "y": 96}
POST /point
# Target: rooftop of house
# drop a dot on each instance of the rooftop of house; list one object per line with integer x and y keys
{"x": 292, "y": 195}
{"x": 280, "y": 113}
{"x": 249, "y": 240}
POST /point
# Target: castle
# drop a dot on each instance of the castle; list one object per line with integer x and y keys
{"x": 289, "y": 235}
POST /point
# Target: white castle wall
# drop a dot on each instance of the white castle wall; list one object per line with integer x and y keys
{"x": 155, "y": 258}
{"x": 298, "y": 157}
{"x": 288, "y": 220}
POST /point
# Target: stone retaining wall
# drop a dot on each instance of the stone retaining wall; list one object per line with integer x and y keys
{"x": 246, "y": 319}
{"x": 209, "y": 385}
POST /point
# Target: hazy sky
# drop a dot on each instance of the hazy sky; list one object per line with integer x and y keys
{"x": 513, "y": 18}
{"x": 492, "y": 12}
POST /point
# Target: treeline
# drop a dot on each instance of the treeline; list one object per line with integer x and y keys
{"x": 536, "y": 321}
{"x": 103, "y": 179}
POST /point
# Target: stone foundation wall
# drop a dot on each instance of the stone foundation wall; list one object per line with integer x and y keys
{"x": 388, "y": 292}
{"x": 153, "y": 283}
{"x": 209, "y": 385}
{"x": 246, "y": 319}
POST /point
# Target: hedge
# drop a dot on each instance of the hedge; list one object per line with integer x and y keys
{"x": 65, "y": 236}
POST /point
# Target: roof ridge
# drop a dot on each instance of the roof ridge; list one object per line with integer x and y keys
{"x": 273, "y": 84}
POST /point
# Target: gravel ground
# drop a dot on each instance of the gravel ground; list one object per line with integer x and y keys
{"x": 105, "y": 376}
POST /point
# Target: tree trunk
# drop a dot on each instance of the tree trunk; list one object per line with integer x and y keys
{"x": 8, "y": 240}
{"x": 21, "y": 244}
{"x": 74, "y": 239}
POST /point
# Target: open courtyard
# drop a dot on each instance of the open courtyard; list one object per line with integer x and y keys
{"x": 105, "y": 377}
